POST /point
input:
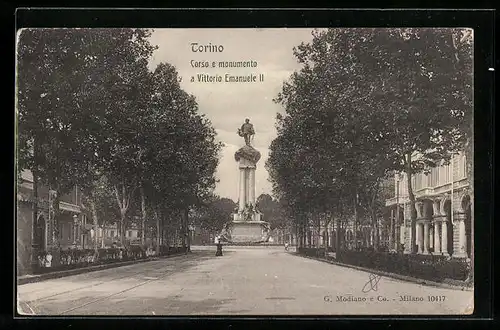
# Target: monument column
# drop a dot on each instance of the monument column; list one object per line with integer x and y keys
{"x": 247, "y": 186}
{"x": 251, "y": 185}
{"x": 242, "y": 190}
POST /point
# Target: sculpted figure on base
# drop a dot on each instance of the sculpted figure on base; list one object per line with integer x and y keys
{"x": 246, "y": 131}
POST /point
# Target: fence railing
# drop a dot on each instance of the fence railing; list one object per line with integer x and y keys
{"x": 58, "y": 260}
{"x": 436, "y": 268}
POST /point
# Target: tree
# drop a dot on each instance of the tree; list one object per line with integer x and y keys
{"x": 427, "y": 98}
{"x": 179, "y": 154}
{"x": 214, "y": 214}
{"x": 98, "y": 198}
{"x": 367, "y": 101}
{"x": 272, "y": 211}
{"x": 320, "y": 148}
{"x": 88, "y": 95}
{"x": 52, "y": 66}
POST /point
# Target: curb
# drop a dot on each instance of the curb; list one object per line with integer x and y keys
{"x": 77, "y": 271}
{"x": 393, "y": 275}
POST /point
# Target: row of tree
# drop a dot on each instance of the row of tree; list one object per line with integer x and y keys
{"x": 368, "y": 103}
{"x": 91, "y": 113}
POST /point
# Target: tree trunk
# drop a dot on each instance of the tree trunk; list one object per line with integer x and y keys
{"x": 373, "y": 211}
{"x": 103, "y": 232}
{"x": 413, "y": 210}
{"x": 95, "y": 222}
{"x": 56, "y": 214}
{"x": 309, "y": 234}
{"x": 298, "y": 224}
{"x": 144, "y": 214}
{"x": 375, "y": 228}
{"x": 338, "y": 237}
{"x": 295, "y": 235}
{"x": 299, "y": 234}
{"x": 186, "y": 230}
{"x": 123, "y": 204}
{"x": 356, "y": 221}
{"x": 302, "y": 234}
{"x": 122, "y": 227}
{"x": 318, "y": 232}
{"x": 157, "y": 218}
{"x": 327, "y": 235}
{"x": 391, "y": 232}
{"x": 470, "y": 175}
{"x": 182, "y": 230}
{"x": 35, "y": 242}
{"x": 305, "y": 230}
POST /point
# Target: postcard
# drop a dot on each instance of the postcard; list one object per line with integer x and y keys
{"x": 244, "y": 171}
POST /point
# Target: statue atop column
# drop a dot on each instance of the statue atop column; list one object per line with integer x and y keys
{"x": 246, "y": 131}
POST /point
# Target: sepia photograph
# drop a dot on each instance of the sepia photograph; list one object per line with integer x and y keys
{"x": 244, "y": 171}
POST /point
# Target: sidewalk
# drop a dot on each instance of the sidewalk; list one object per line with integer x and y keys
{"x": 24, "y": 279}
{"x": 393, "y": 275}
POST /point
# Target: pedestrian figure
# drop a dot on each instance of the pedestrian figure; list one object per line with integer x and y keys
{"x": 286, "y": 246}
{"x": 219, "y": 247}
{"x": 48, "y": 260}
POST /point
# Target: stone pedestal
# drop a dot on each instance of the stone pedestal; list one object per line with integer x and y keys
{"x": 248, "y": 231}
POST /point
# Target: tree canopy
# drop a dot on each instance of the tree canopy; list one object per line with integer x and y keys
{"x": 89, "y": 108}
{"x": 368, "y": 102}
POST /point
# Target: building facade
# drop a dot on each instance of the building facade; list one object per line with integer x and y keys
{"x": 106, "y": 236}
{"x": 443, "y": 204}
{"x": 71, "y": 221}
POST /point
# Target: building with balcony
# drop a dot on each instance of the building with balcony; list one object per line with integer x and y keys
{"x": 443, "y": 205}
{"x": 71, "y": 222}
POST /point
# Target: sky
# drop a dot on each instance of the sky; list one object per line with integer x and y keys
{"x": 227, "y": 104}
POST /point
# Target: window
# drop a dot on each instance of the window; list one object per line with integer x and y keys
{"x": 444, "y": 175}
{"x": 419, "y": 177}
{"x": 435, "y": 176}
{"x": 130, "y": 233}
{"x": 455, "y": 168}
{"x": 112, "y": 233}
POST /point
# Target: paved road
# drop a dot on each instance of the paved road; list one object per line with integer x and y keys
{"x": 251, "y": 281}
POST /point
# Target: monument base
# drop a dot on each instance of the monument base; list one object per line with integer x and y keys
{"x": 248, "y": 231}
{"x": 239, "y": 217}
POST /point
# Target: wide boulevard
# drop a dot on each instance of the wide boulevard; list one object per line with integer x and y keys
{"x": 244, "y": 281}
